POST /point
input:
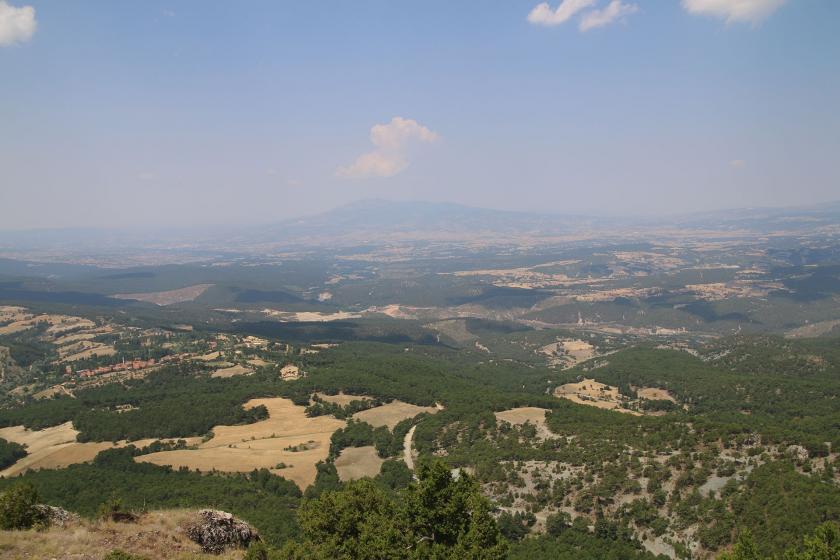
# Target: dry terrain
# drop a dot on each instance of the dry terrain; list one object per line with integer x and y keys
{"x": 264, "y": 444}
{"x": 56, "y": 447}
{"x": 157, "y": 534}
{"x": 232, "y": 371}
{"x": 568, "y": 352}
{"x": 168, "y": 297}
{"x": 593, "y": 393}
{"x": 392, "y": 413}
{"x": 342, "y": 399}
{"x": 358, "y": 462}
{"x": 314, "y": 316}
{"x": 654, "y": 394}
{"x": 527, "y": 414}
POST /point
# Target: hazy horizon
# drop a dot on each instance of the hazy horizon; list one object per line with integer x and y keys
{"x": 165, "y": 114}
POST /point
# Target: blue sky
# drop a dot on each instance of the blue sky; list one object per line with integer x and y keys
{"x": 197, "y": 112}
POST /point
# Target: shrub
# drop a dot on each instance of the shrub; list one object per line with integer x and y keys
{"x": 17, "y": 508}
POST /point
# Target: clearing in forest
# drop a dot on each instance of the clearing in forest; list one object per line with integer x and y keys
{"x": 568, "y": 352}
{"x": 288, "y": 439}
{"x": 232, "y": 371}
{"x": 168, "y": 297}
{"x": 392, "y": 413}
{"x": 654, "y": 394}
{"x": 527, "y": 414}
{"x": 56, "y": 447}
{"x": 593, "y": 393}
{"x": 342, "y": 399}
{"x": 358, "y": 462}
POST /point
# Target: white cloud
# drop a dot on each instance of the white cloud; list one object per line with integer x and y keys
{"x": 543, "y": 14}
{"x": 615, "y": 10}
{"x": 16, "y": 24}
{"x": 734, "y": 11}
{"x": 390, "y": 156}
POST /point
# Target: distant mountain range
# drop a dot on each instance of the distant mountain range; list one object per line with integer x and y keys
{"x": 381, "y": 221}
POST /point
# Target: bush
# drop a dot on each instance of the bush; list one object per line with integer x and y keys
{"x": 120, "y": 555}
{"x": 17, "y": 508}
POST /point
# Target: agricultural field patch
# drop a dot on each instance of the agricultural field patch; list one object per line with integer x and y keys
{"x": 358, "y": 462}
{"x": 392, "y": 413}
{"x": 288, "y": 443}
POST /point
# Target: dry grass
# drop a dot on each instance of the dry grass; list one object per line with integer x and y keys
{"x": 262, "y": 444}
{"x": 232, "y": 371}
{"x": 342, "y": 399}
{"x": 392, "y": 413}
{"x": 168, "y": 297}
{"x": 527, "y": 414}
{"x": 56, "y": 447}
{"x": 568, "y": 352}
{"x": 592, "y": 393}
{"x": 155, "y": 535}
{"x": 654, "y": 394}
{"x": 309, "y": 316}
{"x": 50, "y": 448}
{"x": 358, "y": 462}
{"x": 87, "y": 350}
{"x": 57, "y": 323}
{"x": 258, "y": 362}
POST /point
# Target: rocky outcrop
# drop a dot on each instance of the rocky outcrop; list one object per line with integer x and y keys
{"x": 56, "y": 516}
{"x": 217, "y": 530}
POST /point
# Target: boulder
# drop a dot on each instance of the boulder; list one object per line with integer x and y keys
{"x": 797, "y": 452}
{"x": 56, "y": 516}
{"x": 217, "y": 530}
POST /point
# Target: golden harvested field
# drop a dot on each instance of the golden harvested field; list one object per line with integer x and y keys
{"x": 63, "y": 323}
{"x": 654, "y": 394}
{"x": 262, "y": 444}
{"x": 342, "y": 399}
{"x": 162, "y": 537}
{"x": 232, "y": 371}
{"x": 52, "y": 391}
{"x": 518, "y": 416}
{"x": 526, "y": 414}
{"x": 568, "y": 352}
{"x": 592, "y": 393}
{"x": 313, "y": 316}
{"x": 84, "y": 350}
{"x": 58, "y": 323}
{"x": 56, "y": 447}
{"x": 358, "y": 462}
{"x": 71, "y": 338}
{"x": 168, "y": 297}
{"x": 209, "y": 357}
{"x": 17, "y": 326}
{"x": 258, "y": 362}
{"x": 392, "y": 413}
{"x": 49, "y": 448}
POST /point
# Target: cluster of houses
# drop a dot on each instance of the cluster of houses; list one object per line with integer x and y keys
{"x": 133, "y": 365}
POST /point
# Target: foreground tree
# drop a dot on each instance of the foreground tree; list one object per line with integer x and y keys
{"x": 440, "y": 517}
{"x": 18, "y": 508}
